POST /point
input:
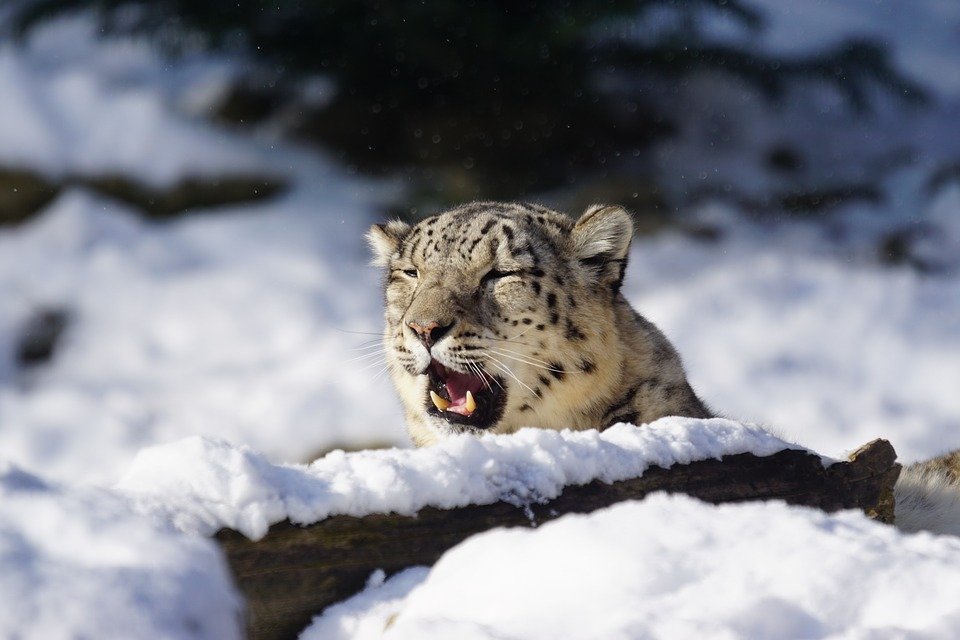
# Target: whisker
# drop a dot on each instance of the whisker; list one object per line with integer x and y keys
{"x": 522, "y": 332}
{"x": 359, "y": 333}
{"x": 500, "y": 365}
{"x": 511, "y": 341}
{"x": 480, "y": 373}
{"x": 504, "y": 351}
{"x": 492, "y": 378}
{"x": 531, "y": 363}
{"x": 371, "y": 365}
{"x": 368, "y": 345}
{"x": 367, "y": 356}
{"x": 511, "y": 374}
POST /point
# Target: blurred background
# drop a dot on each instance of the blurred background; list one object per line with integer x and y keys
{"x": 184, "y": 186}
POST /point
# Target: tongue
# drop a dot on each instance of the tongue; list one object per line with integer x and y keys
{"x": 457, "y": 386}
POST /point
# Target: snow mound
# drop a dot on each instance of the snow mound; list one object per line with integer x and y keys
{"x": 81, "y": 564}
{"x": 202, "y": 485}
{"x": 74, "y": 104}
{"x": 672, "y": 567}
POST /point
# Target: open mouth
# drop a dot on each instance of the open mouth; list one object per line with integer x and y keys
{"x": 464, "y": 398}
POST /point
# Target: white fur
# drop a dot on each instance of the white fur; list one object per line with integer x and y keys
{"x": 384, "y": 240}
{"x": 927, "y": 500}
{"x": 603, "y": 230}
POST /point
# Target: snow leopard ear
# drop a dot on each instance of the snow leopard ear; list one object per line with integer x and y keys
{"x": 601, "y": 241}
{"x": 385, "y": 239}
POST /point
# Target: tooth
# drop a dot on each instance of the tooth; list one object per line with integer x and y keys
{"x": 439, "y": 402}
{"x": 471, "y": 405}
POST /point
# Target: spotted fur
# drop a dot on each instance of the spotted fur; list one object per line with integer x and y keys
{"x": 532, "y": 301}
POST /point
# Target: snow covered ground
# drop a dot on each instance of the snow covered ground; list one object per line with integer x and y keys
{"x": 81, "y": 563}
{"x": 251, "y": 326}
{"x": 670, "y": 567}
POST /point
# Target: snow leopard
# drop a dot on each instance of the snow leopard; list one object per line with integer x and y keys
{"x": 505, "y": 315}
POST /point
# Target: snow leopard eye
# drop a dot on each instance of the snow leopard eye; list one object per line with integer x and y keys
{"x": 496, "y": 274}
{"x": 412, "y": 273}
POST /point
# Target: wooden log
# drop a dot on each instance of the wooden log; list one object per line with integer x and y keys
{"x": 294, "y": 572}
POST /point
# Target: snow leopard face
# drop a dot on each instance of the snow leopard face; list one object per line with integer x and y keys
{"x": 500, "y": 316}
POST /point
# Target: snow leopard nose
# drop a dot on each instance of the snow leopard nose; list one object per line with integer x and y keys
{"x": 429, "y": 331}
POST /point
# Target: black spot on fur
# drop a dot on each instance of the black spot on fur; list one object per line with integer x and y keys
{"x": 623, "y": 401}
{"x": 573, "y": 333}
{"x": 551, "y": 300}
{"x": 661, "y": 354}
{"x": 631, "y": 416}
{"x": 521, "y": 250}
{"x": 525, "y": 407}
{"x": 545, "y": 381}
{"x": 586, "y": 366}
{"x": 541, "y": 327}
{"x": 537, "y": 273}
{"x": 527, "y": 321}
{"x": 536, "y": 288}
{"x": 416, "y": 243}
{"x": 554, "y": 318}
{"x": 556, "y": 370}
{"x": 488, "y": 226}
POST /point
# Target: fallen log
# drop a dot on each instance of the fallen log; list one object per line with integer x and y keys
{"x": 294, "y": 572}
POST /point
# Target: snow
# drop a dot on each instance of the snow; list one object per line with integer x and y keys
{"x": 828, "y": 353}
{"x": 73, "y": 105}
{"x": 366, "y": 614}
{"x": 167, "y": 340}
{"x": 80, "y": 563}
{"x": 797, "y": 28}
{"x": 920, "y": 36}
{"x": 671, "y": 567}
{"x": 201, "y": 485}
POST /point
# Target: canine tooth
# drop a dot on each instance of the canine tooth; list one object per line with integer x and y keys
{"x": 471, "y": 404}
{"x": 439, "y": 402}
